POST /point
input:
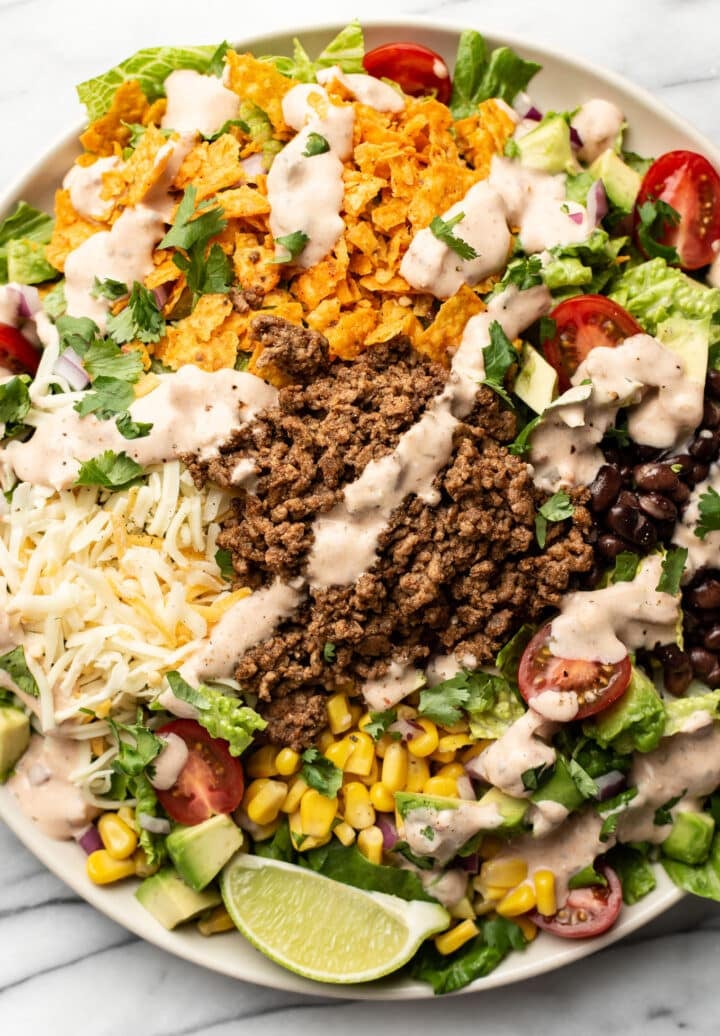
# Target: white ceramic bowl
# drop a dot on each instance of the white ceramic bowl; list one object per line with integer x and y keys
{"x": 563, "y": 83}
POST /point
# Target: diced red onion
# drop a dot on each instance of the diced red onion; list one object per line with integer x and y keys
{"x": 389, "y": 832}
{"x": 29, "y": 303}
{"x": 405, "y": 728}
{"x": 89, "y": 840}
{"x": 162, "y": 294}
{"x": 534, "y": 114}
{"x": 522, "y": 104}
{"x": 575, "y": 138}
{"x": 609, "y": 784}
{"x": 465, "y": 788}
{"x": 69, "y": 366}
{"x": 155, "y": 825}
{"x": 29, "y": 332}
{"x": 470, "y": 864}
{"x": 576, "y": 217}
{"x": 597, "y": 205}
{"x": 252, "y": 165}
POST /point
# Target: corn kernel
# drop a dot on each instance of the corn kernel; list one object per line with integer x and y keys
{"x": 295, "y": 792}
{"x": 217, "y": 921}
{"x": 339, "y": 715}
{"x": 519, "y": 901}
{"x": 545, "y": 891}
{"x": 97, "y": 746}
{"x": 395, "y": 767}
{"x": 103, "y": 869}
{"x": 424, "y": 744}
{"x": 442, "y": 757}
{"x": 363, "y": 754}
{"x": 453, "y": 742}
{"x": 382, "y": 745}
{"x": 325, "y": 738}
{"x": 407, "y": 712}
{"x": 418, "y": 773}
{"x": 339, "y": 752}
{"x": 461, "y": 727}
{"x": 300, "y": 840}
{"x": 118, "y": 838}
{"x": 262, "y": 762}
{"x": 382, "y": 798}
{"x": 370, "y": 844}
{"x": 356, "y": 712}
{"x": 317, "y": 813}
{"x": 495, "y": 892}
{"x": 287, "y": 762}
{"x": 462, "y": 910}
{"x": 263, "y": 799}
{"x": 473, "y": 751}
{"x": 372, "y": 777}
{"x": 365, "y": 718}
{"x": 527, "y": 927}
{"x": 450, "y": 941}
{"x": 453, "y": 770}
{"x": 505, "y": 873}
{"x": 444, "y": 786}
{"x": 143, "y": 869}
{"x": 344, "y": 833}
{"x": 127, "y": 813}
{"x": 359, "y": 811}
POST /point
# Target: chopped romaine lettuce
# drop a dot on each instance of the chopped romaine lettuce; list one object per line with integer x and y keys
{"x": 588, "y": 265}
{"x": 221, "y": 715}
{"x": 347, "y": 50}
{"x": 679, "y": 710}
{"x": 653, "y": 292}
{"x": 447, "y": 973}
{"x": 635, "y": 722}
{"x": 150, "y": 67}
{"x": 23, "y": 229}
{"x": 702, "y": 879}
{"x": 26, "y": 263}
{"x": 479, "y": 75}
{"x": 635, "y": 873}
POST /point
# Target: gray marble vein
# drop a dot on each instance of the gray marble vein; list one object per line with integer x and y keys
{"x": 65, "y": 969}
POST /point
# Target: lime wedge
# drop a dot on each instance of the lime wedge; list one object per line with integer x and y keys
{"x": 320, "y": 928}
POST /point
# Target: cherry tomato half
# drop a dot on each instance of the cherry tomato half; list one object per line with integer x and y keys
{"x": 417, "y": 69}
{"x": 581, "y": 324}
{"x": 687, "y": 182}
{"x": 586, "y": 912}
{"x": 16, "y": 353}
{"x": 596, "y": 684}
{"x": 211, "y": 781}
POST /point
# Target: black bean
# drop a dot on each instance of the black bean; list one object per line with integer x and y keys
{"x": 700, "y": 472}
{"x": 677, "y": 675}
{"x": 659, "y": 477}
{"x": 683, "y": 461}
{"x": 605, "y": 488}
{"x": 610, "y": 546}
{"x": 712, "y": 639}
{"x": 704, "y": 446}
{"x": 644, "y": 533}
{"x": 622, "y": 521}
{"x": 713, "y": 383}
{"x": 706, "y": 594}
{"x": 703, "y": 661}
{"x": 628, "y": 499}
{"x": 711, "y": 414}
{"x": 713, "y": 677}
{"x": 654, "y": 505}
{"x": 681, "y": 494}
{"x": 647, "y": 453}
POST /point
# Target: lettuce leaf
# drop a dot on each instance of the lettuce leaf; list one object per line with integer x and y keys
{"x": 653, "y": 291}
{"x": 479, "y": 75}
{"x": 347, "y": 50}
{"x": 23, "y": 229}
{"x": 221, "y": 715}
{"x": 492, "y": 720}
{"x": 702, "y": 879}
{"x": 588, "y": 265}
{"x": 635, "y": 873}
{"x": 679, "y": 710}
{"x": 346, "y": 863}
{"x": 475, "y": 959}
{"x": 146, "y": 802}
{"x": 634, "y": 723}
{"x": 150, "y": 67}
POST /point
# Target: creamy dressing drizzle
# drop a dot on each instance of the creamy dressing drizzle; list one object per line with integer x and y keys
{"x": 665, "y": 405}
{"x": 169, "y": 763}
{"x": 85, "y": 184}
{"x": 400, "y": 680}
{"x": 503, "y": 763}
{"x": 440, "y": 833}
{"x": 191, "y": 411}
{"x": 705, "y": 552}
{"x": 364, "y": 88}
{"x": 601, "y": 625}
{"x": 42, "y": 785}
{"x": 197, "y": 102}
{"x": 598, "y": 122}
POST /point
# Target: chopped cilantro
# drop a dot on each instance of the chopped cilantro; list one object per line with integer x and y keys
{"x": 293, "y": 244}
{"x": 140, "y": 320}
{"x": 15, "y": 665}
{"x": 655, "y": 217}
{"x": 499, "y": 356}
{"x": 77, "y": 333}
{"x": 227, "y": 126}
{"x": 329, "y": 651}
{"x": 209, "y": 274}
{"x": 548, "y": 329}
{"x": 108, "y": 288}
{"x": 187, "y": 232}
{"x": 428, "y": 833}
{"x": 130, "y": 429}
{"x": 662, "y": 813}
{"x": 556, "y": 509}
{"x": 106, "y": 359}
{"x": 673, "y": 567}
{"x": 379, "y": 723}
{"x": 611, "y": 810}
{"x": 521, "y": 446}
{"x": 206, "y": 271}
{"x": 709, "y": 508}
{"x": 316, "y": 145}
{"x": 14, "y": 400}
{"x": 524, "y": 273}
{"x": 217, "y": 61}
{"x": 110, "y": 470}
{"x": 442, "y": 229}
{"x": 531, "y": 778}
{"x": 582, "y": 779}
{"x": 626, "y": 566}
{"x": 135, "y": 754}
{"x": 320, "y": 773}
{"x": 223, "y": 560}
{"x": 108, "y": 396}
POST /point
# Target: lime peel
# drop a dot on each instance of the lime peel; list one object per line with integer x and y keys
{"x": 320, "y": 928}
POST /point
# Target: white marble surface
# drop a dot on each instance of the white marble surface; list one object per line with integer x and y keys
{"x": 64, "y": 969}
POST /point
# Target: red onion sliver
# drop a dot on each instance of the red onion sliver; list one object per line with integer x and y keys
{"x": 389, "y": 832}
{"x": 609, "y": 784}
{"x": 29, "y": 303}
{"x": 575, "y": 138}
{"x": 405, "y": 728}
{"x": 162, "y": 294}
{"x": 597, "y": 205}
{"x": 69, "y": 366}
{"x": 576, "y": 217}
{"x": 89, "y": 841}
{"x": 534, "y": 113}
{"x": 470, "y": 864}
{"x": 252, "y": 165}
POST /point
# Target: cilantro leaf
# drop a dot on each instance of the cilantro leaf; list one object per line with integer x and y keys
{"x": 223, "y": 560}
{"x": 140, "y": 320}
{"x": 443, "y": 703}
{"x": 106, "y": 359}
{"x": 108, "y": 288}
{"x": 205, "y": 275}
{"x": 15, "y": 665}
{"x": 662, "y": 813}
{"x": 329, "y": 651}
{"x": 137, "y": 750}
{"x": 77, "y": 333}
{"x": 709, "y": 508}
{"x": 499, "y": 356}
{"x": 320, "y": 773}
{"x": 582, "y": 779}
{"x": 532, "y": 778}
{"x": 524, "y": 273}
{"x": 14, "y": 400}
{"x": 626, "y": 566}
{"x": 556, "y": 509}
{"x": 379, "y": 722}
{"x": 316, "y": 145}
{"x": 655, "y": 217}
{"x": 217, "y": 61}
{"x": 673, "y": 567}
{"x": 220, "y": 714}
{"x": 548, "y": 329}
{"x": 227, "y": 126}
{"x": 130, "y": 429}
{"x": 186, "y": 231}
{"x": 110, "y": 470}
{"x": 521, "y": 446}
{"x": 108, "y": 396}
{"x": 442, "y": 229}
{"x": 611, "y": 809}
{"x": 587, "y": 876}
{"x": 293, "y": 243}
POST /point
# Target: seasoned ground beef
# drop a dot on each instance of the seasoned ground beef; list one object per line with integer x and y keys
{"x": 457, "y": 577}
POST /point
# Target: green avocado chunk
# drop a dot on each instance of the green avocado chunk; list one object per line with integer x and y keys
{"x": 200, "y": 852}
{"x": 511, "y": 810}
{"x": 547, "y": 147}
{"x": 620, "y": 181}
{"x": 690, "y": 838}
{"x": 171, "y": 901}
{"x": 14, "y": 738}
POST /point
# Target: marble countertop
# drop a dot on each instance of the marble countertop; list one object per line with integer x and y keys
{"x": 65, "y": 969}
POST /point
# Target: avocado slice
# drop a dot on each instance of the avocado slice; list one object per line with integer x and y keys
{"x": 14, "y": 738}
{"x": 537, "y": 382}
{"x": 547, "y": 147}
{"x": 200, "y": 852}
{"x": 690, "y": 340}
{"x": 171, "y": 901}
{"x": 406, "y": 801}
{"x": 690, "y": 838}
{"x": 621, "y": 183}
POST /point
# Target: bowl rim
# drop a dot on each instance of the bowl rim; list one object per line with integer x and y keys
{"x": 105, "y": 899}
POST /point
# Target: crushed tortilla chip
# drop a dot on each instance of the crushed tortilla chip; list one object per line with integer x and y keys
{"x": 201, "y": 338}
{"x": 446, "y": 330}
{"x": 253, "y": 260}
{"x": 129, "y": 105}
{"x": 69, "y": 232}
{"x": 146, "y": 165}
{"x": 211, "y": 167}
{"x": 395, "y": 320}
{"x": 346, "y": 337}
{"x": 484, "y": 134}
{"x": 261, "y": 83}
{"x": 243, "y": 202}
